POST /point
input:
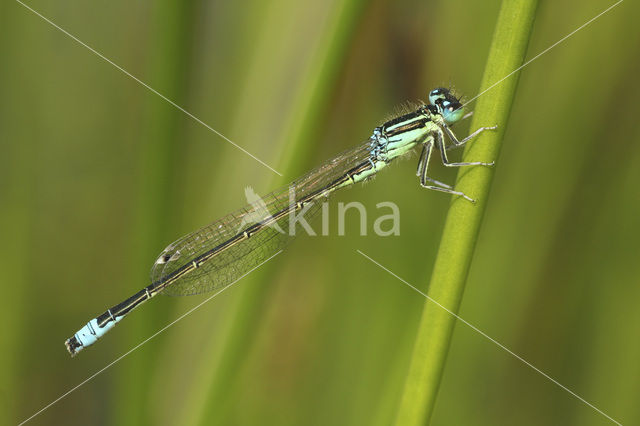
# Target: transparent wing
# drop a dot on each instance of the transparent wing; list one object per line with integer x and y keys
{"x": 231, "y": 263}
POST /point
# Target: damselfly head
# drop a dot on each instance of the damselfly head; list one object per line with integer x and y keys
{"x": 448, "y": 105}
{"x": 438, "y": 94}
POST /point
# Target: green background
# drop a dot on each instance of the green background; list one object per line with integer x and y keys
{"x": 98, "y": 175}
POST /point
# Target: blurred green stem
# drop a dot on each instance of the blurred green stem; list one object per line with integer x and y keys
{"x": 312, "y": 97}
{"x": 509, "y": 45}
{"x": 171, "y": 29}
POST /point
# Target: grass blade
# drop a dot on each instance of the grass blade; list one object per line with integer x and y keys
{"x": 507, "y": 53}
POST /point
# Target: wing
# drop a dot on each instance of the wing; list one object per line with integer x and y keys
{"x": 233, "y": 261}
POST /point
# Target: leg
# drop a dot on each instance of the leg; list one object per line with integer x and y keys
{"x": 422, "y": 169}
{"x": 458, "y": 143}
{"x": 423, "y": 165}
{"x": 450, "y": 191}
{"x": 443, "y": 153}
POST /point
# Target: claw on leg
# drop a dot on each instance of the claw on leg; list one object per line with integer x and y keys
{"x": 450, "y": 191}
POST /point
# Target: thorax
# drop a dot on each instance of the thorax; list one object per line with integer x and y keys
{"x": 398, "y": 136}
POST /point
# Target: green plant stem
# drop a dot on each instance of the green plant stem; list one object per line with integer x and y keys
{"x": 312, "y": 98}
{"x": 172, "y": 29}
{"x": 509, "y": 45}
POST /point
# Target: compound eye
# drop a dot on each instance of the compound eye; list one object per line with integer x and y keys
{"x": 437, "y": 94}
{"x": 452, "y": 111}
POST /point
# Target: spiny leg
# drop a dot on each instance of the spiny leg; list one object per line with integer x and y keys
{"x": 458, "y": 143}
{"x": 450, "y": 191}
{"x": 422, "y": 167}
{"x": 443, "y": 153}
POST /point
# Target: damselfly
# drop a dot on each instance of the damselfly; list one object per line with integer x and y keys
{"x": 216, "y": 255}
